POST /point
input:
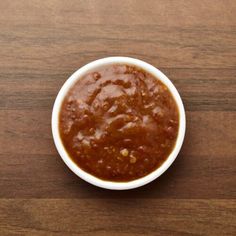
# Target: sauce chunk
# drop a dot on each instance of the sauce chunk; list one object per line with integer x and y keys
{"x": 119, "y": 123}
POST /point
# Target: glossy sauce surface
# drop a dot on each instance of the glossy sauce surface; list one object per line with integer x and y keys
{"x": 119, "y": 123}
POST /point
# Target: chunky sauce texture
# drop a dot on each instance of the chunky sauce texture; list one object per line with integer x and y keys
{"x": 119, "y": 123}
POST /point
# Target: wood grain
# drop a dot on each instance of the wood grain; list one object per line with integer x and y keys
{"x": 204, "y": 169}
{"x": 118, "y": 217}
{"x": 201, "y": 89}
{"x": 43, "y": 42}
{"x": 56, "y": 36}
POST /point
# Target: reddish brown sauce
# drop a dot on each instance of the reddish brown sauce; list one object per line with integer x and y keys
{"x": 119, "y": 123}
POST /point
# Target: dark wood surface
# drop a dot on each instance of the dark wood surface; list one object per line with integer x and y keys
{"x": 43, "y": 42}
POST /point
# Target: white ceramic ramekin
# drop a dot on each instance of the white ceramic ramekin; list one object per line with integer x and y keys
{"x": 90, "y": 178}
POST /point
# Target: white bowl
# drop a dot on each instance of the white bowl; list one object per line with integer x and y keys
{"x": 90, "y": 178}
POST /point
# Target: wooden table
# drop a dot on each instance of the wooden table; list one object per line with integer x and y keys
{"x": 43, "y": 42}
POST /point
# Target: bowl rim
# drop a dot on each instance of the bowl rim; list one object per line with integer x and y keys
{"x": 83, "y": 174}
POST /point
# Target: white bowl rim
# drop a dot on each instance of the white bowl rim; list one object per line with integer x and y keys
{"x": 90, "y": 178}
